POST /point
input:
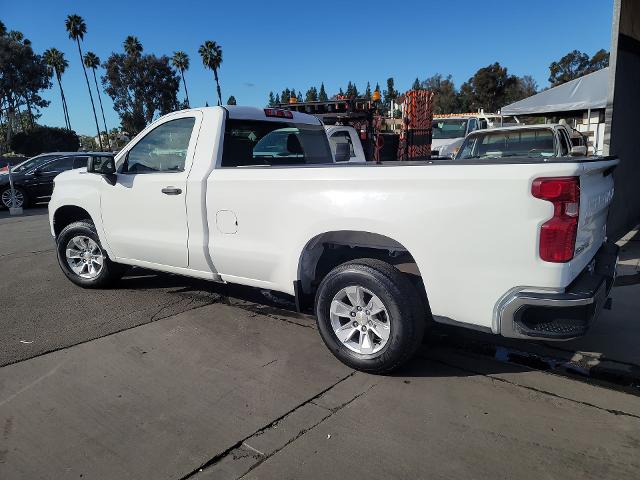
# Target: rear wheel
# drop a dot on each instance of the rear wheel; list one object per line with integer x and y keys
{"x": 370, "y": 315}
{"x": 83, "y": 259}
{"x": 6, "y": 200}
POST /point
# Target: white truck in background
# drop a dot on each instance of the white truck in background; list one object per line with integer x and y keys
{"x": 448, "y": 132}
{"x": 345, "y": 134}
{"x": 516, "y": 247}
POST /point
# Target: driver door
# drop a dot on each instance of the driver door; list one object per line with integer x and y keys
{"x": 144, "y": 213}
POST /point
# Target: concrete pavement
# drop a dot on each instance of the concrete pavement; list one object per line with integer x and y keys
{"x": 218, "y": 392}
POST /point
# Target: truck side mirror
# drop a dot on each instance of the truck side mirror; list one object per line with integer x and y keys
{"x": 578, "y": 151}
{"x": 105, "y": 166}
{"x": 343, "y": 153}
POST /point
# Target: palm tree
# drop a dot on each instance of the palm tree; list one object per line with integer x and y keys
{"x": 57, "y": 64}
{"x": 92, "y": 61}
{"x": 132, "y": 46}
{"x": 211, "y": 54}
{"x": 76, "y": 28}
{"x": 180, "y": 61}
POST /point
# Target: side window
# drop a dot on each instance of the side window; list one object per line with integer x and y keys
{"x": 163, "y": 149}
{"x": 79, "y": 162}
{"x": 341, "y": 137}
{"x": 59, "y": 165}
{"x": 564, "y": 146}
{"x": 473, "y": 125}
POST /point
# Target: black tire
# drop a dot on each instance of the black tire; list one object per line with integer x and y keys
{"x": 6, "y": 191}
{"x": 407, "y": 315}
{"x": 110, "y": 271}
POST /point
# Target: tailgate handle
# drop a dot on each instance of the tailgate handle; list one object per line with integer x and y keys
{"x": 171, "y": 191}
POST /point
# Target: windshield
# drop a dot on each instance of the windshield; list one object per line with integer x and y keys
{"x": 515, "y": 143}
{"x": 449, "y": 128}
{"x": 33, "y": 162}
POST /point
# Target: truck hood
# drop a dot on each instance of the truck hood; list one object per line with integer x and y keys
{"x": 438, "y": 143}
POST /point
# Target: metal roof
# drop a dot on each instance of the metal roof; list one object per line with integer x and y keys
{"x": 587, "y": 92}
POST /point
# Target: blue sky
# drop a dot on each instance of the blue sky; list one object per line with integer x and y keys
{"x": 270, "y": 45}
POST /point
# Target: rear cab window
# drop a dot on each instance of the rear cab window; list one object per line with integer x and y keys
{"x": 257, "y": 142}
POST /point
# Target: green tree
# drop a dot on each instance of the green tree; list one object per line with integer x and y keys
{"x": 311, "y": 95}
{"x": 352, "y": 90}
{"x": 487, "y": 88}
{"x": 76, "y": 28}
{"x": 416, "y": 85}
{"x": 575, "y": 64}
{"x": 92, "y": 61}
{"x": 599, "y": 60}
{"x": 140, "y": 87}
{"x": 445, "y": 99}
{"x": 285, "y": 96}
{"x": 45, "y": 139}
{"x": 23, "y": 74}
{"x": 180, "y": 61}
{"x": 322, "y": 95}
{"x": 57, "y": 65}
{"x": 522, "y": 87}
{"x": 132, "y": 46}
{"x": 367, "y": 92}
{"x": 3, "y": 29}
{"x": 390, "y": 93}
{"x": 277, "y": 100}
{"x": 272, "y": 100}
{"x": 211, "y": 54}
{"x": 231, "y": 100}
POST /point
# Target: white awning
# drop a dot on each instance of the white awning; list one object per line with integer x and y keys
{"x": 588, "y": 92}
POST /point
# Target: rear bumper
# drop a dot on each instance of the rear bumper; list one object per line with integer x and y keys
{"x": 561, "y": 316}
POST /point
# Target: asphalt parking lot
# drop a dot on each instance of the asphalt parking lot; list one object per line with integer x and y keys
{"x": 168, "y": 377}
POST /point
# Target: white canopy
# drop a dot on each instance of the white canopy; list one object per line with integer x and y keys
{"x": 582, "y": 93}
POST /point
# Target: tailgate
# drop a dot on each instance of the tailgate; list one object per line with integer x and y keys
{"x": 596, "y": 193}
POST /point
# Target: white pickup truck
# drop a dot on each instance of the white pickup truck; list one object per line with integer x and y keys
{"x": 516, "y": 247}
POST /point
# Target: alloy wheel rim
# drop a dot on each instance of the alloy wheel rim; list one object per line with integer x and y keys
{"x": 84, "y": 257}
{"x": 7, "y": 201}
{"x": 360, "y": 320}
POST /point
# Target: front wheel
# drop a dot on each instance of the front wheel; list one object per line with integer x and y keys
{"x": 83, "y": 259}
{"x": 370, "y": 315}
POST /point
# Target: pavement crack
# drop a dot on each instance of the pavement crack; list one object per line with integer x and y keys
{"x": 534, "y": 389}
{"x": 303, "y": 431}
{"x": 217, "y": 458}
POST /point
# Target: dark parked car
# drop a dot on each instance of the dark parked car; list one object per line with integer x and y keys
{"x": 33, "y": 178}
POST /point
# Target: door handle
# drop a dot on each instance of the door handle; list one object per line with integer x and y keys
{"x": 171, "y": 191}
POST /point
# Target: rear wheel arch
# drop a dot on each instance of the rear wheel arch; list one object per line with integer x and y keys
{"x": 329, "y": 249}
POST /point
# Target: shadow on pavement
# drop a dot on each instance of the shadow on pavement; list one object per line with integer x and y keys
{"x": 27, "y": 212}
{"x": 266, "y": 302}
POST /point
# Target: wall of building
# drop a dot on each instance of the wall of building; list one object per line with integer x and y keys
{"x": 622, "y": 116}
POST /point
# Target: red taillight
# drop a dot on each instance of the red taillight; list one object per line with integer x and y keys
{"x": 558, "y": 235}
{"x": 277, "y": 112}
